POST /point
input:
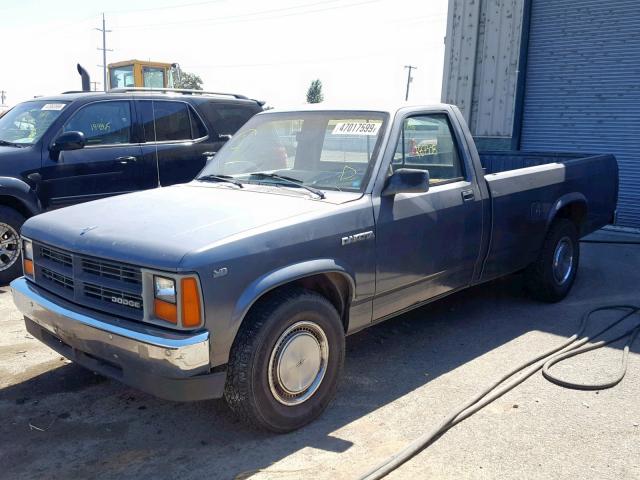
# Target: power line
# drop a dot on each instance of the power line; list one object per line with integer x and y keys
{"x": 167, "y": 7}
{"x": 409, "y": 80}
{"x": 104, "y": 51}
{"x": 255, "y": 16}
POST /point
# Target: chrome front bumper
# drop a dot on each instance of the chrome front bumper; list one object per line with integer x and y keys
{"x": 173, "y": 365}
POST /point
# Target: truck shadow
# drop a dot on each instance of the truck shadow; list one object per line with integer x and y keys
{"x": 101, "y": 429}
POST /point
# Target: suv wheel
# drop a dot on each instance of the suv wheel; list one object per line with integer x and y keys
{"x": 551, "y": 276}
{"x": 286, "y": 361}
{"x": 10, "y": 223}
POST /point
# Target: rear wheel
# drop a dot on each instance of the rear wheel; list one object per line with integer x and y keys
{"x": 551, "y": 276}
{"x": 10, "y": 224}
{"x": 286, "y": 361}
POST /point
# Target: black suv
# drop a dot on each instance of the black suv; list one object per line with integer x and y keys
{"x": 81, "y": 146}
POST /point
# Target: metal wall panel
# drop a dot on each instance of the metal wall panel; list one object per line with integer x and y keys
{"x": 481, "y": 63}
{"x": 583, "y": 86}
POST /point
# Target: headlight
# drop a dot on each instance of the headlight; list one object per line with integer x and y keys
{"x": 27, "y": 249}
{"x": 177, "y": 303}
{"x": 27, "y": 258}
{"x": 164, "y": 289}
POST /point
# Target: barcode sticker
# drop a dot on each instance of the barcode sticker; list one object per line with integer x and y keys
{"x": 355, "y": 127}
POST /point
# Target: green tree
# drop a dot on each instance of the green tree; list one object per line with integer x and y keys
{"x": 187, "y": 80}
{"x": 314, "y": 94}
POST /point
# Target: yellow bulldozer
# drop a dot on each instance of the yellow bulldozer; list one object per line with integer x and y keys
{"x": 141, "y": 74}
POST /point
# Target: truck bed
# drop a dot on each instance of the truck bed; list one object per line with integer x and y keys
{"x": 527, "y": 188}
{"x": 504, "y": 161}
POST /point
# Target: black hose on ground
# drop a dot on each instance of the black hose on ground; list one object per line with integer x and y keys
{"x": 575, "y": 345}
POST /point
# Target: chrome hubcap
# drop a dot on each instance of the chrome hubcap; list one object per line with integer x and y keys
{"x": 298, "y": 363}
{"x": 563, "y": 260}
{"x": 9, "y": 246}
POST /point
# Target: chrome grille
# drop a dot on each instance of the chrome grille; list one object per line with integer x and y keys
{"x": 58, "y": 279}
{"x": 105, "y": 285}
{"x": 56, "y": 256}
{"x": 112, "y": 271}
{"x": 113, "y": 296}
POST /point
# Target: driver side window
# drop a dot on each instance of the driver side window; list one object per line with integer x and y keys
{"x": 103, "y": 123}
{"x": 426, "y": 142}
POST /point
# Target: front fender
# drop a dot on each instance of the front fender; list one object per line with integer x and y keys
{"x": 21, "y": 191}
{"x": 284, "y": 275}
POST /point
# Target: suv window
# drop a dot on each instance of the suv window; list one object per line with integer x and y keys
{"x": 227, "y": 118}
{"x": 426, "y": 142}
{"x": 174, "y": 121}
{"x": 103, "y": 123}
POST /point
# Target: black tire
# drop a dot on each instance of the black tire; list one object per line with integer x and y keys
{"x": 10, "y": 264}
{"x": 544, "y": 281}
{"x": 249, "y": 390}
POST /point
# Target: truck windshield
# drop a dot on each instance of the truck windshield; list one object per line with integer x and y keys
{"x": 25, "y": 123}
{"x": 330, "y": 150}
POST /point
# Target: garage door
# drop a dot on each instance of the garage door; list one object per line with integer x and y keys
{"x": 583, "y": 86}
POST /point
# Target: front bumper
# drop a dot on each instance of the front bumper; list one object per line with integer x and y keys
{"x": 170, "y": 365}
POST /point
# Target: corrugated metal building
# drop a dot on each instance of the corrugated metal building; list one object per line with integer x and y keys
{"x": 551, "y": 75}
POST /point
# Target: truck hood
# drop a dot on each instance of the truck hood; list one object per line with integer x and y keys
{"x": 157, "y": 228}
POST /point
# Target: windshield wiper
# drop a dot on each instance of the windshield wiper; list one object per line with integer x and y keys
{"x": 291, "y": 181}
{"x": 10, "y": 144}
{"x": 220, "y": 178}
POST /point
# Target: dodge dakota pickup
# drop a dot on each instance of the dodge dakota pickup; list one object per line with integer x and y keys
{"x": 308, "y": 225}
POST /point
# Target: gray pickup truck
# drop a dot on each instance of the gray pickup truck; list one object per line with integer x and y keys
{"x": 308, "y": 225}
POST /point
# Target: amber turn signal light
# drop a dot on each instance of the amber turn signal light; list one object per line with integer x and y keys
{"x": 191, "y": 316}
{"x": 28, "y": 267}
{"x": 165, "y": 311}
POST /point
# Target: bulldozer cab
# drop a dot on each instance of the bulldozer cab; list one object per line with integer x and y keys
{"x": 137, "y": 73}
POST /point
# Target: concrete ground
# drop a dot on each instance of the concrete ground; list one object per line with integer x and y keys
{"x": 402, "y": 377}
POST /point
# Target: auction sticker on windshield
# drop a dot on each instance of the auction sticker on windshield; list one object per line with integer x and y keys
{"x": 356, "y": 127}
{"x": 53, "y": 106}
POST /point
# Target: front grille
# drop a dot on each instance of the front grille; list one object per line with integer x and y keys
{"x": 57, "y": 279}
{"x": 56, "y": 256}
{"x": 111, "y": 287}
{"x": 113, "y": 296}
{"x": 113, "y": 271}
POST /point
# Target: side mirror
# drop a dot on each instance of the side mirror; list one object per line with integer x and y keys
{"x": 407, "y": 180}
{"x": 68, "y": 141}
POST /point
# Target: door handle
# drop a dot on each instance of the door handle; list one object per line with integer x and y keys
{"x": 467, "y": 195}
{"x": 125, "y": 160}
{"x": 208, "y": 154}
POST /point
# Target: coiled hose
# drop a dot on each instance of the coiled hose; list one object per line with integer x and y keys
{"x": 575, "y": 345}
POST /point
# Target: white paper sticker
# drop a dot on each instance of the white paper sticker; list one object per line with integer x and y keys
{"x": 53, "y": 106}
{"x": 356, "y": 127}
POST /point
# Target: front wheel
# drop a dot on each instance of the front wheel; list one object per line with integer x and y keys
{"x": 551, "y": 276}
{"x": 10, "y": 247}
{"x": 286, "y": 361}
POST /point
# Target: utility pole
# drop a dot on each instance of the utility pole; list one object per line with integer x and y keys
{"x": 409, "y": 80}
{"x": 3, "y": 96}
{"x": 104, "y": 52}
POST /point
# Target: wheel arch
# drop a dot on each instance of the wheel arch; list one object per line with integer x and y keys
{"x": 327, "y": 277}
{"x": 572, "y": 206}
{"x": 20, "y": 196}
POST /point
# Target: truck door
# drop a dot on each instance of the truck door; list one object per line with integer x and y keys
{"x": 176, "y": 138}
{"x": 427, "y": 243}
{"x": 109, "y": 164}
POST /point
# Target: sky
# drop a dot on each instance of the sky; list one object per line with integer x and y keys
{"x": 266, "y": 50}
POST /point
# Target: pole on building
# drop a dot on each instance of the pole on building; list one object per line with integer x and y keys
{"x": 409, "y": 79}
{"x": 104, "y": 51}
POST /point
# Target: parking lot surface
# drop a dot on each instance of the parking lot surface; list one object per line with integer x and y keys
{"x": 401, "y": 378}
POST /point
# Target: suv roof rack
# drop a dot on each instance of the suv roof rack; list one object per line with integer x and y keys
{"x": 176, "y": 90}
